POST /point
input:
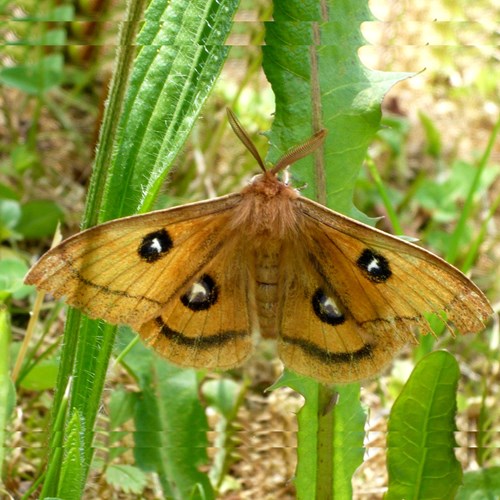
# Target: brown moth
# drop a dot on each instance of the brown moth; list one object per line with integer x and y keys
{"x": 198, "y": 281}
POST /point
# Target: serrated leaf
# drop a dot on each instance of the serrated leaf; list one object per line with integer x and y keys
{"x": 311, "y": 60}
{"x": 420, "y": 459}
{"x": 72, "y": 477}
{"x": 310, "y": 63}
{"x": 126, "y": 478}
{"x": 330, "y": 438}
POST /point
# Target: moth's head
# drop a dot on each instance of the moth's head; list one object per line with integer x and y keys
{"x": 290, "y": 157}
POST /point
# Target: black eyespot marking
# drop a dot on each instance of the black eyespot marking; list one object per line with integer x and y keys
{"x": 374, "y": 266}
{"x": 327, "y": 309}
{"x": 154, "y": 245}
{"x": 202, "y": 295}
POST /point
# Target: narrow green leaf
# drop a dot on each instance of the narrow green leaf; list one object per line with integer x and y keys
{"x": 420, "y": 459}
{"x": 72, "y": 472}
{"x": 434, "y": 143}
{"x": 6, "y": 387}
{"x": 144, "y": 127}
{"x": 173, "y": 75}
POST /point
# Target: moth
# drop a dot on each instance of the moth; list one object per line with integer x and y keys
{"x": 200, "y": 281}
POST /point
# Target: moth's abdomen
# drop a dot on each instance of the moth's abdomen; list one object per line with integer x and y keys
{"x": 266, "y": 289}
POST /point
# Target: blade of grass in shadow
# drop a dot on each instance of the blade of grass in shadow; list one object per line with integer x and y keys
{"x": 6, "y": 385}
{"x": 474, "y": 250}
{"x": 420, "y": 460}
{"x": 180, "y": 54}
{"x": 311, "y": 60}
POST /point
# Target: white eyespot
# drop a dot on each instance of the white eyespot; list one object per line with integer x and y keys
{"x": 202, "y": 295}
{"x": 155, "y": 245}
{"x": 327, "y": 309}
{"x": 330, "y": 307}
{"x": 198, "y": 292}
{"x": 373, "y": 265}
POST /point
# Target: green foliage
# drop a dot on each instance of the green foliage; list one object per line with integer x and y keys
{"x": 347, "y": 95}
{"x": 71, "y": 484}
{"x": 330, "y": 438}
{"x": 6, "y": 387}
{"x": 36, "y": 78}
{"x": 420, "y": 440}
{"x": 123, "y": 162}
{"x": 226, "y": 397}
{"x": 126, "y": 478}
{"x": 481, "y": 484}
{"x": 39, "y": 219}
{"x": 146, "y": 125}
{"x": 319, "y": 81}
{"x": 170, "y": 424}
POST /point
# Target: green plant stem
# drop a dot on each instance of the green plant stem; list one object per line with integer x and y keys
{"x": 125, "y": 55}
{"x": 453, "y": 247}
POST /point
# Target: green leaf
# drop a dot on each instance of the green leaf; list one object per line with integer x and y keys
{"x": 42, "y": 376}
{"x": 7, "y": 394}
{"x": 434, "y": 146}
{"x": 311, "y": 60}
{"x": 12, "y": 273}
{"x": 126, "y": 478}
{"x": 171, "y": 427}
{"x": 330, "y": 437}
{"x": 173, "y": 75}
{"x": 6, "y": 192}
{"x": 23, "y": 158}
{"x": 481, "y": 484}
{"x": 36, "y": 78}
{"x": 72, "y": 475}
{"x": 150, "y": 110}
{"x": 222, "y": 394}
{"x": 39, "y": 219}
{"x": 121, "y": 407}
{"x": 319, "y": 81}
{"x": 10, "y": 213}
{"x": 421, "y": 461}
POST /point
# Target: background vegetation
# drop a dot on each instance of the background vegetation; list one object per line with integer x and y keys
{"x": 420, "y": 173}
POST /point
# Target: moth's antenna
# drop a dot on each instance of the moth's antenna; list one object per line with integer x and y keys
{"x": 297, "y": 152}
{"x": 244, "y": 137}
